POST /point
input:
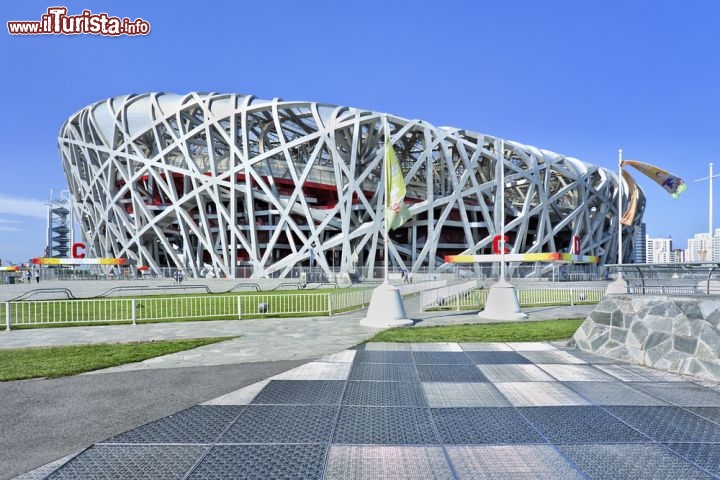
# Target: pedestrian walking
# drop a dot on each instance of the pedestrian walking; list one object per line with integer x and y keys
{"x": 410, "y": 277}
{"x": 28, "y": 276}
{"x": 37, "y": 276}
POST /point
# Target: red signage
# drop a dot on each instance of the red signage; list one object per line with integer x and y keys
{"x": 75, "y": 250}
{"x": 576, "y": 245}
{"x": 496, "y": 244}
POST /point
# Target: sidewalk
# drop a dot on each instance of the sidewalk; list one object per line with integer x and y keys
{"x": 48, "y": 419}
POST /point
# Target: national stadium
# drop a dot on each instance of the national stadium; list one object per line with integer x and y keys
{"x": 230, "y": 185}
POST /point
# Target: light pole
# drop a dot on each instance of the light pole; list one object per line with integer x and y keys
{"x": 709, "y": 178}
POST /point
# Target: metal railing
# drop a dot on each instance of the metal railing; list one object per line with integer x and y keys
{"x": 528, "y": 297}
{"x": 437, "y": 297}
{"x": 125, "y": 310}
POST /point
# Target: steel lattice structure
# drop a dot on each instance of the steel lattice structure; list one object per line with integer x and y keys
{"x": 221, "y": 181}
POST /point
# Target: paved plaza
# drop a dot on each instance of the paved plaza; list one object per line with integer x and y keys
{"x": 389, "y": 410}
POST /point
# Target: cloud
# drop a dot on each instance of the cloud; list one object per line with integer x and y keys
{"x": 26, "y": 207}
{"x": 3, "y": 228}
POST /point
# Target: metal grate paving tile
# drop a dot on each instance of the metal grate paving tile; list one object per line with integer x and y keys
{"x": 385, "y": 425}
{"x": 580, "y": 424}
{"x": 638, "y": 373}
{"x": 491, "y": 462}
{"x": 262, "y": 462}
{"x": 704, "y": 455}
{"x": 384, "y": 394}
{"x": 710, "y": 413}
{"x": 131, "y": 462}
{"x": 441, "y": 358}
{"x": 42, "y": 472}
{"x": 557, "y": 356}
{"x": 450, "y": 373}
{"x": 682, "y": 394}
{"x": 448, "y": 395}
{"x": 577, "y": 373}
{"x": 387, "y": 347}
{"x": 370, "y": 462}
{"x": 514, "y": 373}
{"x": 483, "y": 426}
{"x": 384, "y": 372}
{"x": 435, "y": 347}
{"x": 317, "y": 371}
{"x": 647, "y": 461}
{"x": 301, "y": 392}
{"x": 383, "y": 357}
{"x": 539, "y": 394}
{"x": 531, "y": 346}
{"x": 668, "y": 424}
{"x": 497, "y": 358}
{"x": 282, "y": 424}
{"x": 485, "y": 347}
{"x": 613, "y": 393}
{"x": 198, "y": 424}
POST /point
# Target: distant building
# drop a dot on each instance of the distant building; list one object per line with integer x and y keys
{"x": 639, "y": 246}
{"x": 659, "y": 250}
{"x": 679, "y": 255}
{"x": 699, "y": 248}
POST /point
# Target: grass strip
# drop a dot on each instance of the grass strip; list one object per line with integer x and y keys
{"x": 52, "y": 362}
{"x": 494, "y": 332}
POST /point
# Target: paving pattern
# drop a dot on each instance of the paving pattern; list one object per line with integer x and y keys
{"x": 433, "y": 411}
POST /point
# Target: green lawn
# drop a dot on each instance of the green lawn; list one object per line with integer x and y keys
{"x": 497, "y": 332}
{"x": 51, "y": 362}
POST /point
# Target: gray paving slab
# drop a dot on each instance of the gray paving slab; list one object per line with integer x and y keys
{"x": 396, "y": 427}
{"x": 318, "y": 420}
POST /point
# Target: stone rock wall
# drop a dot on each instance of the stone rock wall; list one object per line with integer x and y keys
{"x": 680, "y": 335}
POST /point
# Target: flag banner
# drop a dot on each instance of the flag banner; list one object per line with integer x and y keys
{"x": 674, "y": 185}
{"x": 396, "y": 212}
{"x": 629, "y": 215}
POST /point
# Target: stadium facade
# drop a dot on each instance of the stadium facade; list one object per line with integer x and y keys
{"x": 231, "y": 185}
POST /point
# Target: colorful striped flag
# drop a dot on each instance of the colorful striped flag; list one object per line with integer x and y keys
{"x": 629, "y": 215}
{"x": 396, "y": 212}
{"x": 673, "y": 184}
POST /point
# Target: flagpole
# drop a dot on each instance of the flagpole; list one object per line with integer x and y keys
{"x": 619, "y": 211}
{"x": 385, "y": 201}
{"x": 501, "y": 186}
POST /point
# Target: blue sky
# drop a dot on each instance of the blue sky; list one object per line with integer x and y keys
{"x": 581, "y": 78}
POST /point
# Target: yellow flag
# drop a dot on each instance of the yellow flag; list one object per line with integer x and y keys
{"x": 396, "y": 212}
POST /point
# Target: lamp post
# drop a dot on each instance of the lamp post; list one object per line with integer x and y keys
{"x": 709, "y": 178}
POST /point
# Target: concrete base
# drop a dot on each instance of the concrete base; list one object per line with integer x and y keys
{"x": 386, "y": 308}
{"x": 502, "y": 303}
{"x": 618, "y": 287}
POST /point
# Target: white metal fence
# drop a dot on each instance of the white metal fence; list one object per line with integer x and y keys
{"x": 528, "y": 297}
{"x": 437, "y": 297}
{"x": 48, "y": 312}
{"x": 124, "y": 310}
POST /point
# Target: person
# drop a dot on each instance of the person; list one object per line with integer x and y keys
{"x": 410, "y": 277}
{"x": 37, "y": 276}
{"x": 402, "y": 274}
{"x": 180, "y": 276}
{"x": 176, "y": 276}
{"x": 28, "y": 276}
